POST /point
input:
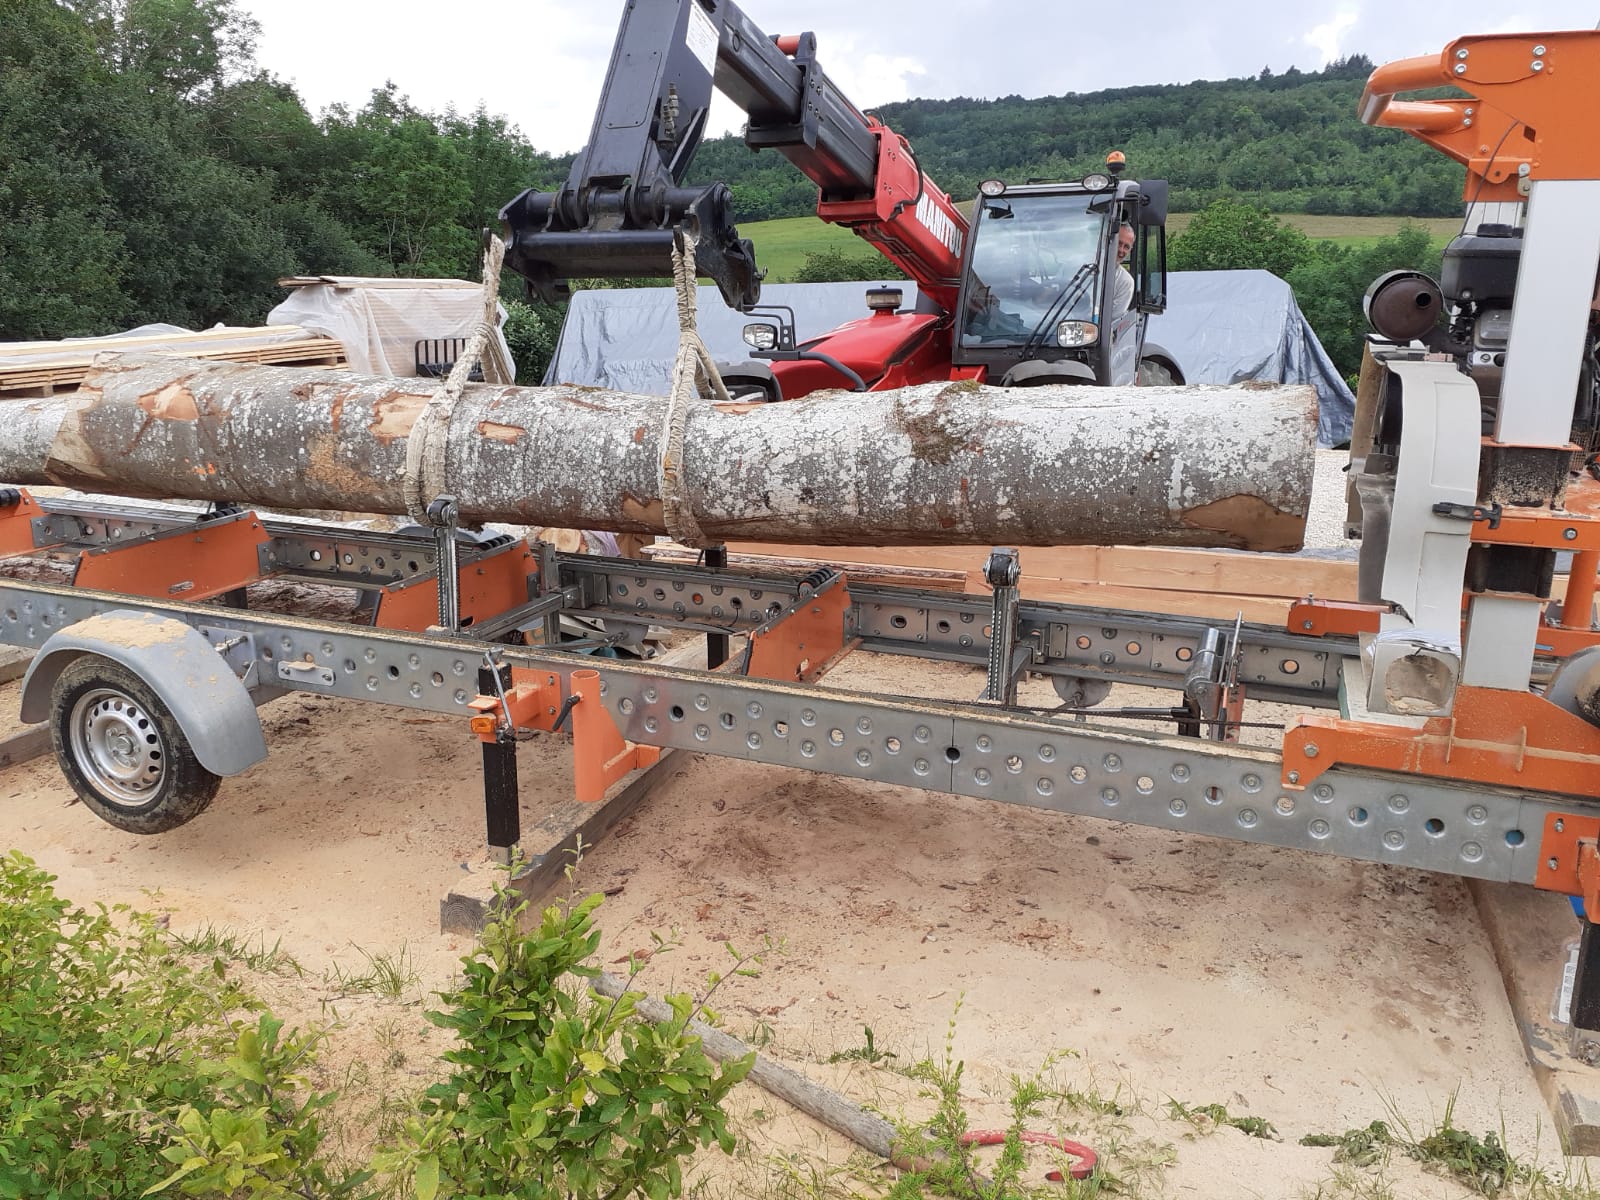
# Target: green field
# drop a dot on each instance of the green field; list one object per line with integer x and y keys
{"x": 781, "y": 246}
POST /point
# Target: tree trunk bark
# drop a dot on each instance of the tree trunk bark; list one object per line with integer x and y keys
{"x": 936, "y": 464}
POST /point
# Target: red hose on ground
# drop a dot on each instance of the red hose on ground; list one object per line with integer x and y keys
{"x": 996, "y": 1137}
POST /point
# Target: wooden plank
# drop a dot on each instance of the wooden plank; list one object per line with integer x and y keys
{"x": 1369, "y": 385}
{"x": 1158, "y": 568}
{"x": 14, "y": 662}
{"x": 71, "y": 361}
{"x": 903, "y": 576}
{"x": 1528, "y": 930}
{"x": 550, "y": 846}
{"x": 26, "y": 746}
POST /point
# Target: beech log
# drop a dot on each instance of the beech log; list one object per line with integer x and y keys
{"x": 935, "y": 464}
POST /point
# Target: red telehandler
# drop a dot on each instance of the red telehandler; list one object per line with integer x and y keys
{"x": 1030, "y": 291}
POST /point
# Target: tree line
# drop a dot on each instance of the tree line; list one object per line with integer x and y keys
{"x": 1289, "y": 143}
{"x": 151, "y": 171}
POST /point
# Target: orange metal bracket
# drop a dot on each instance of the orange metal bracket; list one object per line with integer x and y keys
{"x": 488, "y": 587}
{"x": 1531, "y": 106}
{"x": 802, "y": 646}
{"x": 195, "y": 562}
{"x": 1512, "y": 739}
{"x": 534, "y": 701}
{"x": 1334, "y": 618}
{"x": 1569, "y": 859}
{"x": 16, "y": 525}
{"x": 600, "y": 755}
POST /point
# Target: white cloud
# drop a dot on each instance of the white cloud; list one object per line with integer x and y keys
{"x": 1325, "y": 38}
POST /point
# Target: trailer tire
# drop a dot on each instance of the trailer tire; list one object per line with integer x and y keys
{"x": 123, "y": 751}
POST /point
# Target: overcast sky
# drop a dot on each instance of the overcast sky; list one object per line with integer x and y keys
{"x": 540, "y": 63}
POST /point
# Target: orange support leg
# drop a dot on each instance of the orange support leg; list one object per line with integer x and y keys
{"x": 600, "y": 755}
{"x": 1577, "y": 610}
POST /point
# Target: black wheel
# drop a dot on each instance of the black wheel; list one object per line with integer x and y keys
{"x": 122, "y": 750}
{"x": 1154, "y": 373}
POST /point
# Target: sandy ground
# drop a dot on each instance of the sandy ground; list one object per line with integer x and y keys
{"x": 1317, "y": 993}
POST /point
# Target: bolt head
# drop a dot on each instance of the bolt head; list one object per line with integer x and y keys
{"x": 1461, "y": 68}
{"x": 1462, "y": 54}
{"x": 1537, "y": 64}
{"x": 1308, "y": 624}
{"x": 1570, "y": 534}
{"x": 1294, "y": 776}
{"x": 1311, "y": 750}
{"x": 1539, "y": 51}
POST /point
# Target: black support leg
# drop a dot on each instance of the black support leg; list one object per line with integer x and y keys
{"x": 501, "y": 802}
{"x": 716, "y": 643}
{"x": 1586, "y": 997}
{"x": 501, "y": 807}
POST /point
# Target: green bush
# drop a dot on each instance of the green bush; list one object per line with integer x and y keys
{"x": 530, "y": 331}
{"x": 556, "y": 1091}
{"x": 124, "y": 1071}
{"x": 836, "y": 263}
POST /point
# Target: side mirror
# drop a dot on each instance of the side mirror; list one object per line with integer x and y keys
{"x": 1152, "y": 202}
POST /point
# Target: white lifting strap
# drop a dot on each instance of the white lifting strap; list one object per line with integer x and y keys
{"x": 692, "y": 373}
{"x": 426, "y": 444}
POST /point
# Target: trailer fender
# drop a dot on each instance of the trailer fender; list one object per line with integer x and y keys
{"x": 210, "y": 704}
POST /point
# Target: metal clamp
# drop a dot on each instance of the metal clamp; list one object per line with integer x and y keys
{"x": 1002, "y": 570}
{"x": 443, "y": 515}
{"x": 1470, "y": 512}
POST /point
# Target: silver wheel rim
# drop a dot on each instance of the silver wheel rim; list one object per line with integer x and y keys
{"x": 117, "y": 746}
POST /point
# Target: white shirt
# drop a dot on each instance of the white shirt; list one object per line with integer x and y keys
{"x": 1121, "y": 294}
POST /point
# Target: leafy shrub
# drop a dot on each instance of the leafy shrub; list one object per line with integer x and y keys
{"x": 555, "y": 1091}
{"x": 124, "y": 1071}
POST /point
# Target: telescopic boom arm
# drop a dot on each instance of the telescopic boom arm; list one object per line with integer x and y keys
{"x": 624, "y": 196}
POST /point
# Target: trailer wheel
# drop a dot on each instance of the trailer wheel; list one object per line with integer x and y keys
{"x": 123, "y": 751}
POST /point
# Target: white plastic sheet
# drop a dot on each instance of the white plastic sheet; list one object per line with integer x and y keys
{"x": 1221, "y": 326}
{"x": 380, "y": 321}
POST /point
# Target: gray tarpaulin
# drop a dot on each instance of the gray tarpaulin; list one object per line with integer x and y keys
{"x": 1221, "y": 326}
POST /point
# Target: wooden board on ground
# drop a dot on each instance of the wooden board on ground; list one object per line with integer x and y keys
{"x": 31, "y": 743}
{"x": 551, "y": 846}
{"x": 1529, "y": 931}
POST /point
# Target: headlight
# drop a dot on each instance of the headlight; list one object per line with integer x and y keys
{"x": 884, "y": 298}
{"x": 1072, "y": 334}
{"x": 1096, "y": 182}
{"x": 761, "y": 337}
{"x": 993, "y": 187}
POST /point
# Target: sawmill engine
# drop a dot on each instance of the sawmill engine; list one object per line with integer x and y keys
{"x": 1466, "y": 313}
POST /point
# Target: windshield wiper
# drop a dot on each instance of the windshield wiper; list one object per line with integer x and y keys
{"x": 1063, "y": 303}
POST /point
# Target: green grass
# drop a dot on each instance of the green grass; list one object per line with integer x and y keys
{"x": 387, "y": 975}
{"x": 227, "y": 945}
{"x": 782, "y": 245}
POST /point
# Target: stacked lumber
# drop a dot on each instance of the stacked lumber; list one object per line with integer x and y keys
{"x": 34, "y": 369}
{"x": 1200, "y": 583}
